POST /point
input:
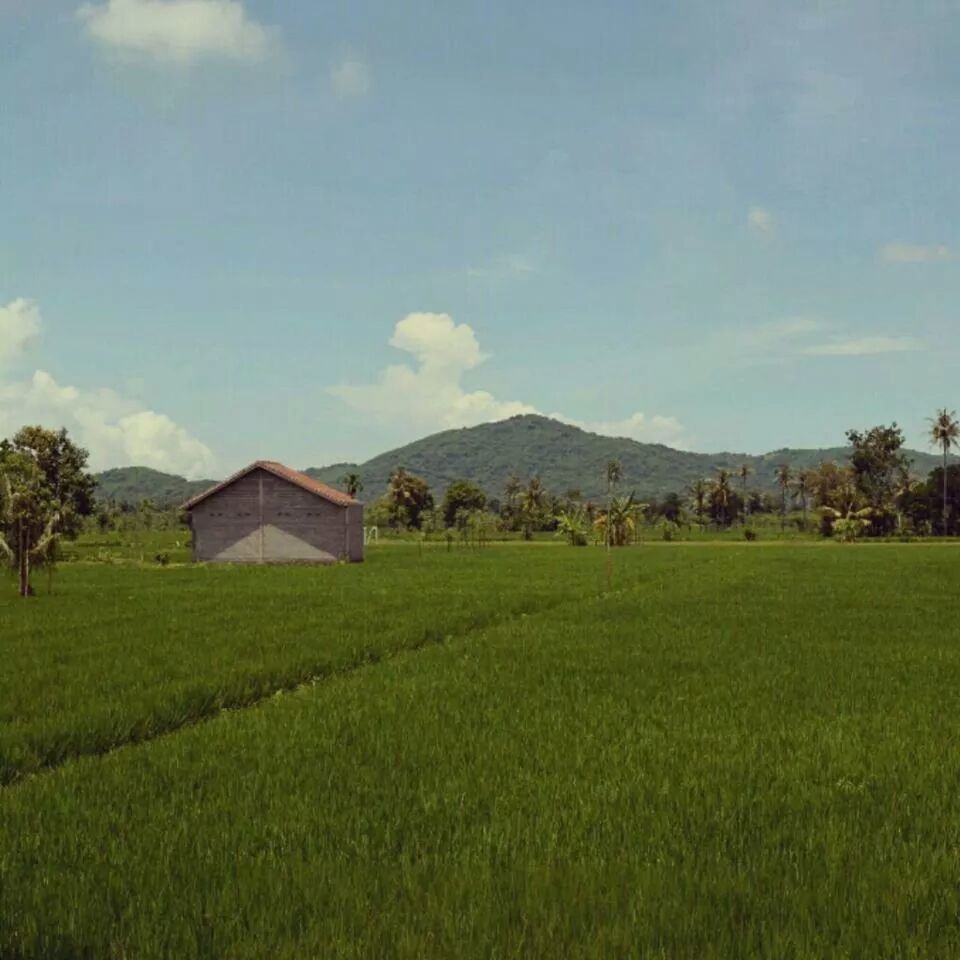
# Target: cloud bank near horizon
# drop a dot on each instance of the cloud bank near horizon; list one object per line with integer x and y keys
{"x": 113, "y": 428}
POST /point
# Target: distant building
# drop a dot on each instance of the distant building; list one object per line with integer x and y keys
{"x": 268, "y": 513}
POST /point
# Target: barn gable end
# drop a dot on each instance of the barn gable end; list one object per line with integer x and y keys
{"x": 271, "y": 514}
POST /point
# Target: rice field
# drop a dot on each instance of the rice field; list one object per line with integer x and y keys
{"x": 702, "y": 751}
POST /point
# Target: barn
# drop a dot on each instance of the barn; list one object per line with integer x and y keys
{"x": 268, "y": 513}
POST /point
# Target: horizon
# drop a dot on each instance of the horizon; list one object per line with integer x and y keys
{"x": 232, "y": 225}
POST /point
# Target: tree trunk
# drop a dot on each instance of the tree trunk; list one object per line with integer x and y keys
{"x": 944, "y": 489}
{"x": 24, "y": 562}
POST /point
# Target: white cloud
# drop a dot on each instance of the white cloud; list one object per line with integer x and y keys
{"x": 914, "y": 253}
{"x": 19, "y": 325}
{"x": 432, "y": 396}
{"x": 760, "y": 219}
{"x": 117, "y": 431}
{"x": 177, "y": 31}
{"x": 864, "y": 346}
{"x": 351, "y": 78}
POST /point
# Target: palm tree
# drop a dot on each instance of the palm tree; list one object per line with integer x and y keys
{"x": 802, "y": 485}
{"x": 614, "y": 476}
{"x": 721, "y": 494}
{"x": 783, "y": 477}
{"x": 945, "y": 433}
{"x": 743, "y": 473}
{"x": 698, "y": 493}
{"x": 351, "y": 483}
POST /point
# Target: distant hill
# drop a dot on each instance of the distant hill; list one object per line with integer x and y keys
{"x": 566, "y": 457}
{"x": 563, "y": 456}
{"x": 133, "y": 484}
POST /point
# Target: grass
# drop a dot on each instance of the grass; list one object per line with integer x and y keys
{"x": 737, "y": 752}
{"x": 120, "y": 654}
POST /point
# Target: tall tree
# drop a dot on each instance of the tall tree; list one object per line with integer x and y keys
{"x": 409, "y": 497}
{"x": 743, "y": 472}
{"x": 462, "y": 495}
{"x": 721, "y": 495}
{"x": 783, "y": 476}
{"x": 511, "y": 492}
{"x": 802, "y": 485}
{"x": 352, "y": 483}
{"x": 698, "y": 493}
{"x": 533, "y": 504}
{"x": 877, "y": 460}
{"x": 45, "y": 492}
{"x": 945, "y": 434}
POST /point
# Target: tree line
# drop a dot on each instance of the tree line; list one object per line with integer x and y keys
{"x": 47, "y": 495}
{"x": 874, "y": 494}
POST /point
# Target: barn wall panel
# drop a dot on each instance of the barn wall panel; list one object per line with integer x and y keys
{"x": 297, "y": 526}
{"x": 226, "y": 526}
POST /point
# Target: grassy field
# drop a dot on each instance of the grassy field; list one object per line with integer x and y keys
{"x": 708, "y": 751}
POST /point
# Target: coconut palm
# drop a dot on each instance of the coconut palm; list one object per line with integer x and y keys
{"x": 698, "y": 493}
{"x": 945, "y": 434}
{"x": 743, "y": 473}
{"x": 721, "y": 494}
{"x": 783, "y": 477}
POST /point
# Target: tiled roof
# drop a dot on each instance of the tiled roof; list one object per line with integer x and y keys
{"x": 338, "y": 497}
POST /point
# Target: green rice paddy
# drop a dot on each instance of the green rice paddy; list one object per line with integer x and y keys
{"x": 700, "y": 751}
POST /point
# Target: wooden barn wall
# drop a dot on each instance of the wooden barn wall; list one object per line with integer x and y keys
{"x": 297, "y": 526}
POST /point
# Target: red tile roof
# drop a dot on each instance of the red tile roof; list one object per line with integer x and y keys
{"x": 338, "y": 497}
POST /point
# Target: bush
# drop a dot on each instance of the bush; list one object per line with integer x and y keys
{"x": 669, "y": 530}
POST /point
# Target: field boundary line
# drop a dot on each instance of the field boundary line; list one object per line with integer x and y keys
{"x": 370, "y": 658}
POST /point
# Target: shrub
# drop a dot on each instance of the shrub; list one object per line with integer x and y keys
{"x": 669, "y": 530}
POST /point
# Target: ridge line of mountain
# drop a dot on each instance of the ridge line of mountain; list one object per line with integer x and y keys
{"x": 565, "y": 458}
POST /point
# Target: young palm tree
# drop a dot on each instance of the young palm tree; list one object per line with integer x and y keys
{"x": 743, "y": 473}
{"x": 783, "y": 476}
{"x": 802, "y": 485}
{"x": 945, "y": 433}
{"x": 614, "y": 476}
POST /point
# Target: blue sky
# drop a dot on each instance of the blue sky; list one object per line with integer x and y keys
{"x": 313, "y": 231}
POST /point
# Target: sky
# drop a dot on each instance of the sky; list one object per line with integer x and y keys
{"x": 311, "y": 232}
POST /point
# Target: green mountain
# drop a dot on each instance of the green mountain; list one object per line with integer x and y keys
{"x": 133, "y": 484}
{"x": 563, "y": 456}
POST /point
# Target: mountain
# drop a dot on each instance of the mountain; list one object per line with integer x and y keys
{"x": 133, "y": 484}
{"x": 563, "y": 456}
